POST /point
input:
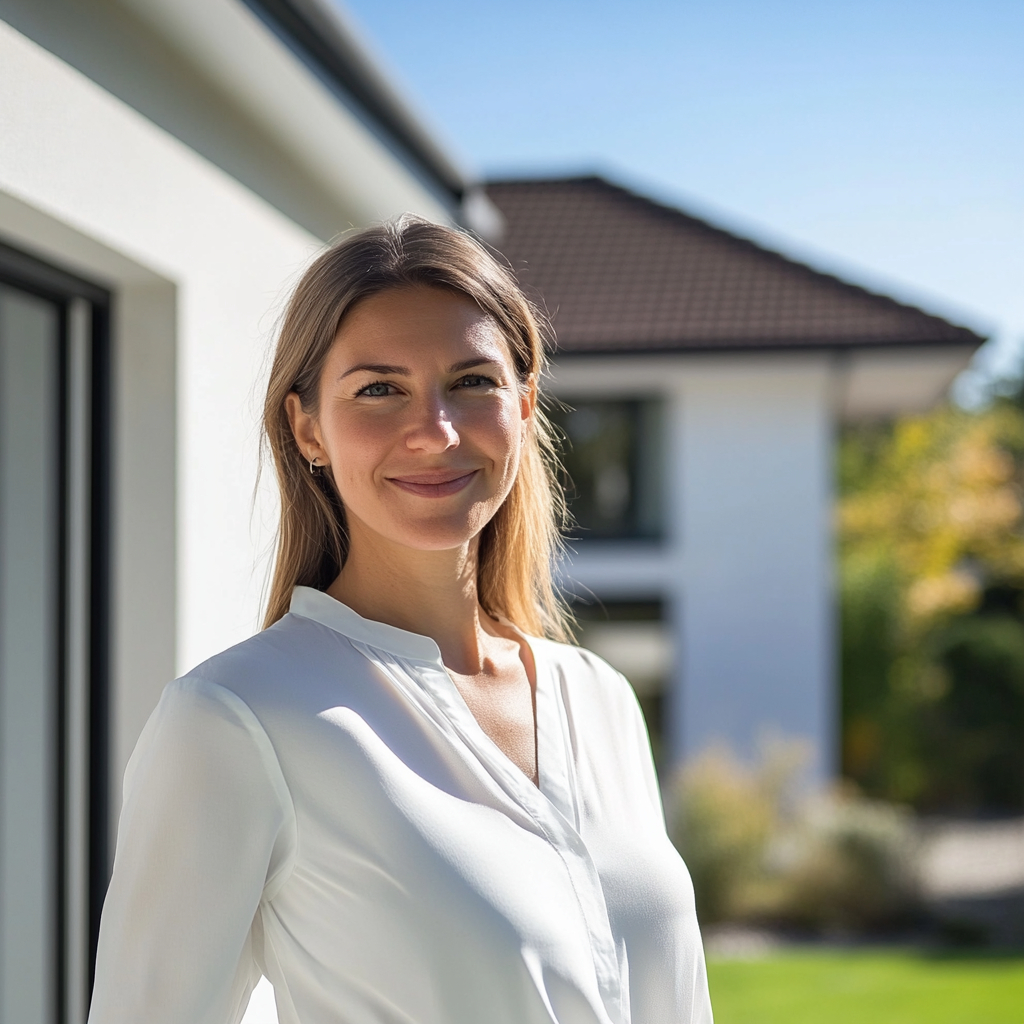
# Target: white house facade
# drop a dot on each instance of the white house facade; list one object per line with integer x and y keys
{"x": 704, "y": 379}
{"x": 167, "y": 167}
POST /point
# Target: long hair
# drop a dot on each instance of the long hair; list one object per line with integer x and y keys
{"x": 518, "y": 545}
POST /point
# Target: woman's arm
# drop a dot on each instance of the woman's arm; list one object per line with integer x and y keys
{"x": 206, "y": 827}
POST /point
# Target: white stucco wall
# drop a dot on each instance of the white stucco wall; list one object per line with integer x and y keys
{"x": 89, "y": 162}
{"x": 198, "y": 265}
{"x": 754, "y": 517}
{"x": 745, "y": 568}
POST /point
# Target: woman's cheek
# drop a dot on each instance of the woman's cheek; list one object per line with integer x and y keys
{"x": 501, "y": 426}
{"x": 354, "y": 440}
{"x": 352, "y": 454}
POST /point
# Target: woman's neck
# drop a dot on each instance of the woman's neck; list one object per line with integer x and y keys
{"x": 433, "y": 593}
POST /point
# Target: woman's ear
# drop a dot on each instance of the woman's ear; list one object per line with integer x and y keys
{"x": 305, "y": 430}
{"x": 528, "y": 397}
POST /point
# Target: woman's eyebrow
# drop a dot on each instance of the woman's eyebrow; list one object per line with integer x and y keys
{"x": 399, "y": 371}
{"x": 403, "y": 371}
{"x": 468, "y": 364}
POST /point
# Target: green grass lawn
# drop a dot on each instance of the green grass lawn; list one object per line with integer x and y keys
{"x": 868, "y": 987}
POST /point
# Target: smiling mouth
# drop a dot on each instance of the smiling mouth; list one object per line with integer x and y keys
{"x": 433, "y": 485}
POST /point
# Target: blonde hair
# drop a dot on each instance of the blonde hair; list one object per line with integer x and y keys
{"x": 518, "y": 546}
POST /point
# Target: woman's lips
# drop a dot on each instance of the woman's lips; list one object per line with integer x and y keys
{"x": 433, "y": 485}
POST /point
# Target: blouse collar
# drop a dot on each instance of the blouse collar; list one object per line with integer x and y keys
{"x": 322, "y": 608}
{"x": 553, "y": 745}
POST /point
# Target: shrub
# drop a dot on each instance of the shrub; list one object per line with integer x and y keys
{"x": 757, "y": 852}
{"x": 849, "y": 864}
{"x": 722, "y": 816}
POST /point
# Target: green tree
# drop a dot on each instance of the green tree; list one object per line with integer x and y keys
{"x": 931, "y": 579}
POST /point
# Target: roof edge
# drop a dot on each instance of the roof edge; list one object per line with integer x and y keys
{"x": 318, "y": 32}
{"x": 754, "y": 348}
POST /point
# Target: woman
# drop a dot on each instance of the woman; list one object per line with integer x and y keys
{"x": 399, "y": 802}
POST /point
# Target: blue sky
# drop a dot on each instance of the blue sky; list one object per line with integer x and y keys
{"x": 880, "y": 140}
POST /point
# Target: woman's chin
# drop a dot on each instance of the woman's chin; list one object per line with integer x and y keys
{"x": 434, "y": 534}
{"x": 439, "y": 538}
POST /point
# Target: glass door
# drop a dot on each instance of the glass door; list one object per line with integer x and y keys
{"x": 30, "y": 546}
{"x": 51, "y": 623}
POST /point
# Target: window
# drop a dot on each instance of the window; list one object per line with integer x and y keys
{"x": 613, "y": 454}
{"x": 53, "y": 823}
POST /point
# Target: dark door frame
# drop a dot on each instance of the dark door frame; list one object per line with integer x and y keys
{"x": 85, "y": 389}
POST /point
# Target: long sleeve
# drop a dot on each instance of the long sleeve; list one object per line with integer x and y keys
{"x": 207, "y": 829}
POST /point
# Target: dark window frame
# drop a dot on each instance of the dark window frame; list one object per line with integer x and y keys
{"x": 647, "y": 469}
{"x": 37, "y": 276}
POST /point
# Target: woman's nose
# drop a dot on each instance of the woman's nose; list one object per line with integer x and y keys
{"x": 432, "y": 429}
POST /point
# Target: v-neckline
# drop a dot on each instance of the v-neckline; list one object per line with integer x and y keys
{"x": 554, "y": 770}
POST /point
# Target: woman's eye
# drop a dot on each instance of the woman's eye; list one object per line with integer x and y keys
{"x": 379, "y": 389}
{"x": 476, "y": 380}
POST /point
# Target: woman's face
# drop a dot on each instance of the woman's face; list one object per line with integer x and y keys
{"x": 421, "y": 420}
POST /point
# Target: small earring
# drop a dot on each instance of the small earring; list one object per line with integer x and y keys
{"x": 314, "y": 464}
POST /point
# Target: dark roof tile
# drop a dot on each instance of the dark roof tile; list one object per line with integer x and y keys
{"x": 621, "y": 273}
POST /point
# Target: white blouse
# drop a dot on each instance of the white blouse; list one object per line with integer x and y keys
{"x": 319, "y": 805}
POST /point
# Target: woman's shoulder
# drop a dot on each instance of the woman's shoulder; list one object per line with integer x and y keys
{"x": 224, "y": 689}
{"x": 606, "y": 715}
{"x": 580, "y": 668}
{"x": 272, "y": 667}
{"x": 569, "y": 654}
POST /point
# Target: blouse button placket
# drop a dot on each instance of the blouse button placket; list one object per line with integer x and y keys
{"x": 553, "y": 826}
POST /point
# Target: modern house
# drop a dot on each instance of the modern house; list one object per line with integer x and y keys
{"x": 704, "y": 378}
{"x": 167, "y": 167}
